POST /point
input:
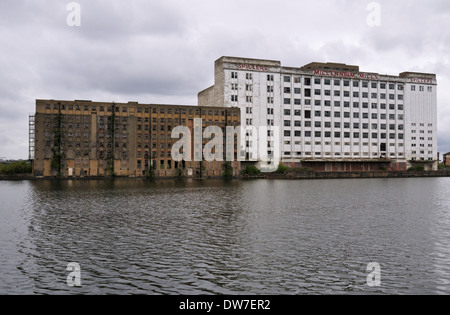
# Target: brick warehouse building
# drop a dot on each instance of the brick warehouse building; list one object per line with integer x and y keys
{"x": 95, "y": 139}
{"x": 332, "y": 116}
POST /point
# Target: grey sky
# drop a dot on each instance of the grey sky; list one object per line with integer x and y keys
{"x": 164, "y": 51}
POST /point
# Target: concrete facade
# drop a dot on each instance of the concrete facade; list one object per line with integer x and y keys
{"x": 331, "y": 112}
{"x": 95, "y": 139}
{"x": 447, "y": 159}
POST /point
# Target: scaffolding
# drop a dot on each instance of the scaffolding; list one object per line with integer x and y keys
{"x": 31, "y": 144}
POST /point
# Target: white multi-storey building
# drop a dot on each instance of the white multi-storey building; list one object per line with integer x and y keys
{"x": 332, "y": 116}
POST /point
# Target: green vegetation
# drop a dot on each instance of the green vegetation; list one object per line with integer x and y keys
{"x": 303, "y": 170}
{"x": 111, "y": 134}
{"x": 56, "y": 162}
{"x": 151, "y": 171}
{"x": 180, "y": 172}
{"x": 417, "y": 168}
{"x": 251, "y": 171}
{"x": 442, "y": 166}
{"x": 21, "y": 167}
{"x": 283, "y": 169}
{"x": 227, "y": 170}
{"x": 201, "y": 169}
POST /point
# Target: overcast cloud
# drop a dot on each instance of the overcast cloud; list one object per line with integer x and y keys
{"x": 164, "y": 51}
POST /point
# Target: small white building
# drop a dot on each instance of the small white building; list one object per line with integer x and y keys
{"x": 331, "y": 117}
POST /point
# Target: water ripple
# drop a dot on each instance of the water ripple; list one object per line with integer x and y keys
{"x": 226, "y": 237}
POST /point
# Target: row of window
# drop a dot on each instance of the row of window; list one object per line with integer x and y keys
{"x": 318, "y": 124}
{"x": 124, "y": 109}
{"x": 355, "y": 115}
{"x": 422, "y": 88}
{"x": 298, "y": 101}
{"x": 318, "y": 81}
{"x": 336, "y": 154}
{"x": 347, "y": 135}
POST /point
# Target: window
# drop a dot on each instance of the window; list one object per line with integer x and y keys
{"x": 374, "y": 85}
{"x": 234, "y": 75}
{"x": 249, "y": 87}
{"x": 287, "y": 79}
{"x": 270, "y": 78}
{"x": 307, "y": 81}
{"x": 270, "y": 111}
{"x": 317, "y": 81}
{"x": 287, "y": 101}
{"x": 287, "y": 112}
{"x": 307, "y": 114}
{"x": 287, "y": 90}
{"x": 248, "y": 99}
{"x": 249, "y": 76}
{"x": 287, "y": 133}
{"x": 297, "y": 91}
{"x": 317, "y": 92}
{"x": 287, "y": 123}
{"x": 297, "y": 101}
{"x": 356, "y": 84}
{"x": 270, "y": 100}
{"x": 234, "y": 98}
